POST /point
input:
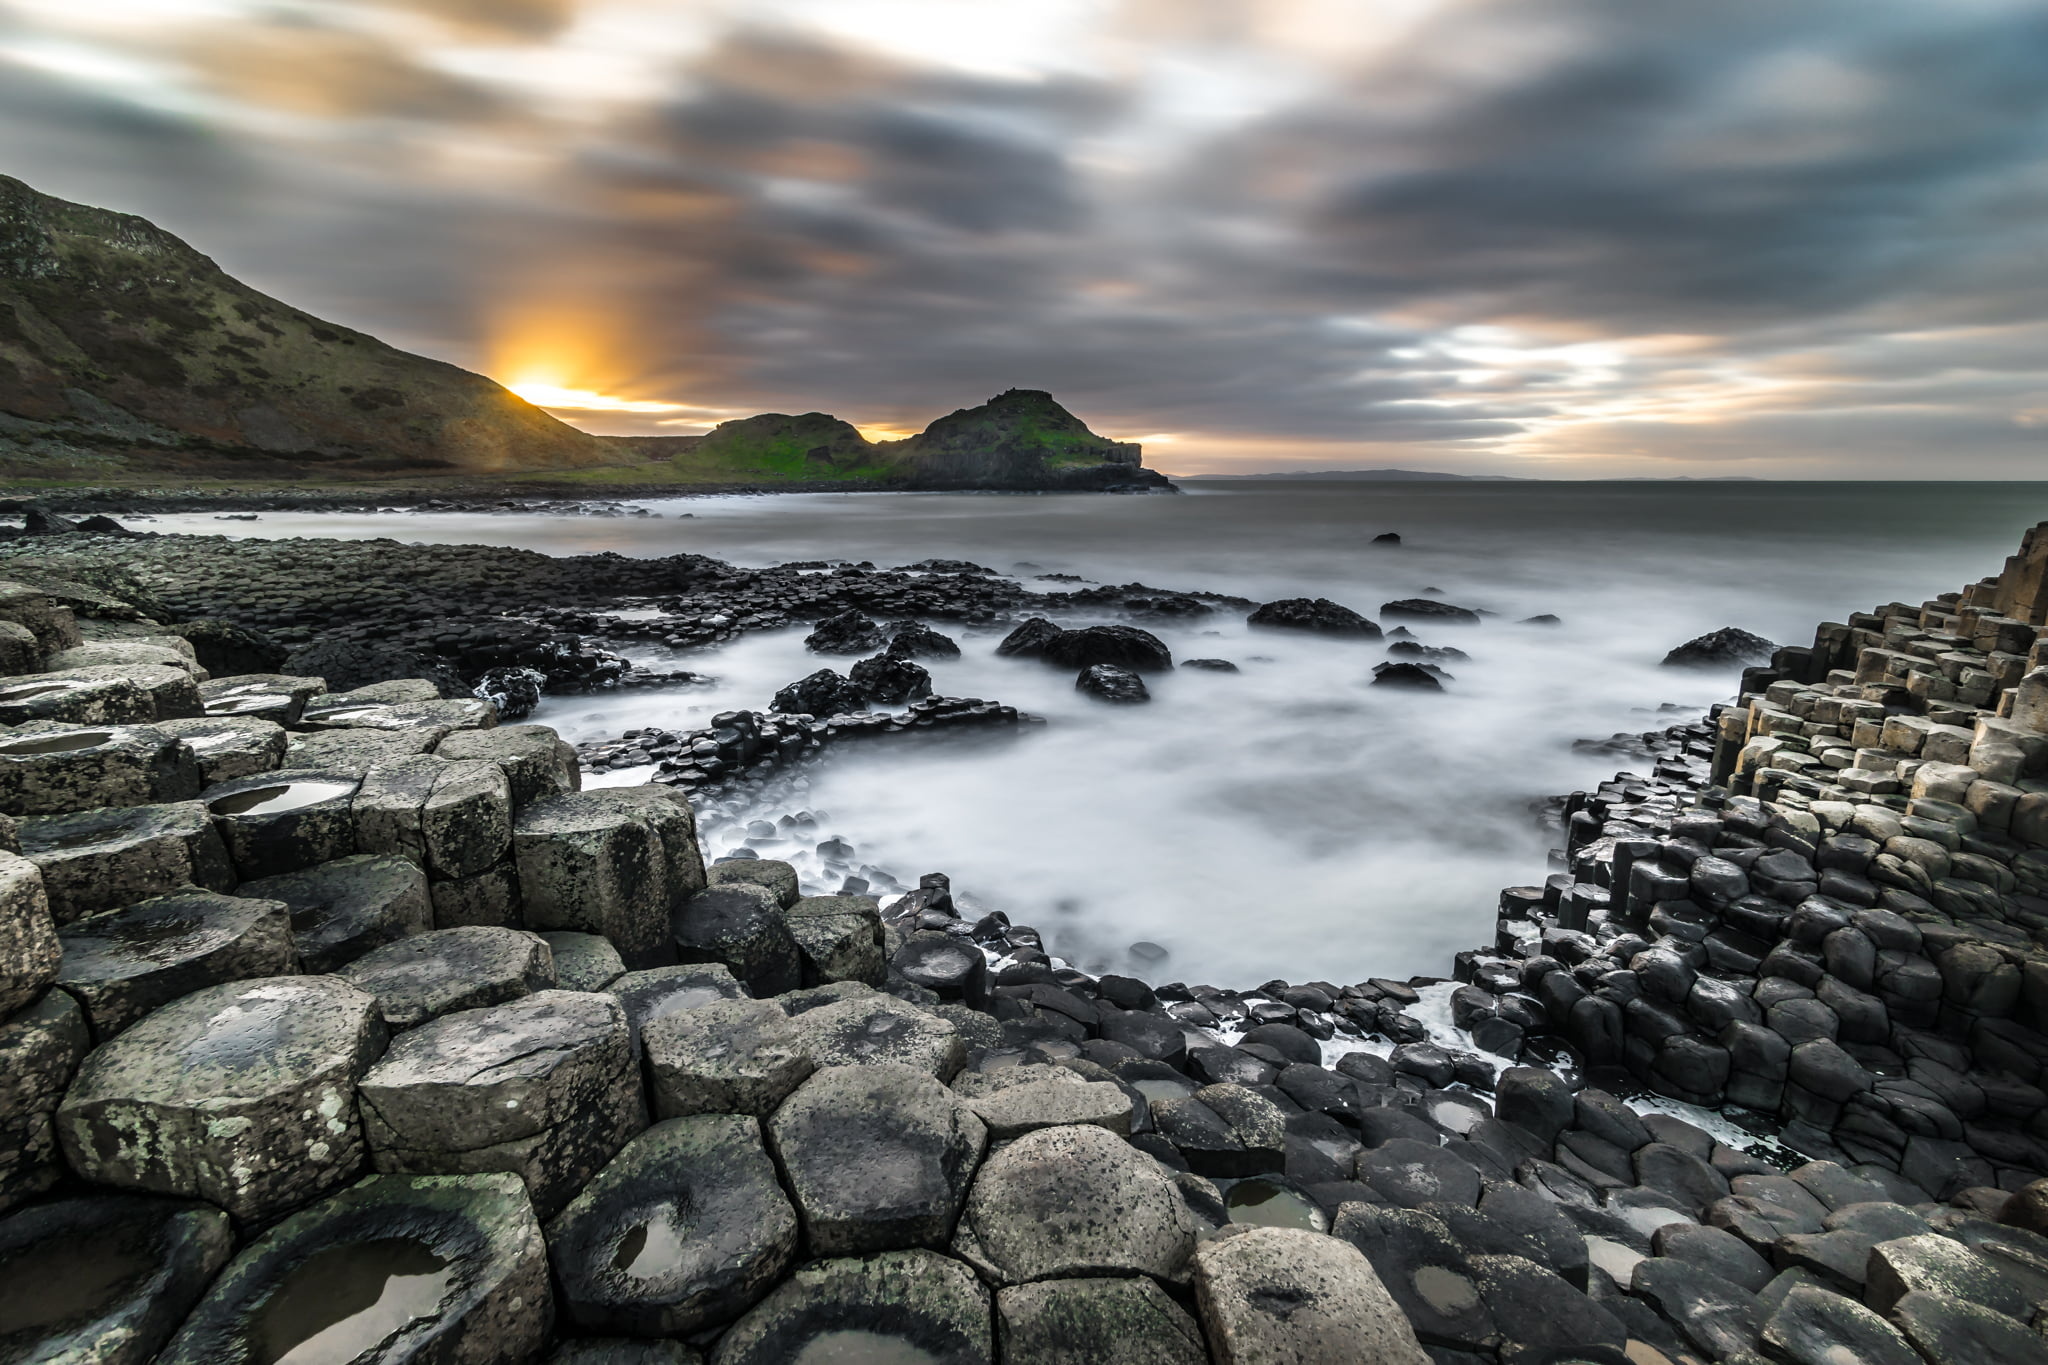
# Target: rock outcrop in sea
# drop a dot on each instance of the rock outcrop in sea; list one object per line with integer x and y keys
{"x": 346, "y": 1023}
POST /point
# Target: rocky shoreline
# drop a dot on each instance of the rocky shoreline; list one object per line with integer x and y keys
{"x": 323, "y": 979}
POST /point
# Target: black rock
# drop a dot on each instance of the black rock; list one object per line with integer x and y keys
{"x": 1107, "y": 682}
{"x": 1124, "y": 646}
{"x": 349, "y": 664}
{"x": 1318, "y": 614}
{"x": 1546, "y": 619}
{"x": 1210, "y": 665}
{"x": 1423, "y": 609}
{"x": 514, "y": 691}
{"x": 1417, "y": 677}
{"x": 891, "y": 677}
{"x": 227, "y": 650}
{"x": 914, "y": 640}
{"x": 1029, "y": 640}
{"x": 1723, "y": 648}
{"x": 41, "y": 522}
{"x": 847, "y": 633}
{"x": 824, "y": 693}
{"x": 1387, "y": 538}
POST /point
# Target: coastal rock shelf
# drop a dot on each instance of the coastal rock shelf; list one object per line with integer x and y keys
{"x": 341, "y": 1023}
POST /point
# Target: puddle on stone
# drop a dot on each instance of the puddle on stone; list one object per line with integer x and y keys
{"x": 282, "y": 797}
{"x": 1456, "y": 1117}
{"x": 1618, "y": 1262}
{"x": 1266, "y": 1204}
{"x": 167, "y": 936}
{"x": 54, "y": 744}
{"x": 343, "y": 713}
{"x": 1446, "y": 1291}
{"x": 74, "y": 1281}
{"x": 1158, "y": 1088}
{"x": 852, "y": 1346}
{"x": 235, "y": 703}
{"x": 340, "y": 1302}
{"x": 654, "y": 1248}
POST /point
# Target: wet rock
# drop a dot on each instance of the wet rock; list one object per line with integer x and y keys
{"x": 40, "y": 1049}
{"x": 1933, "y": 1264}
{"x": 121, "y": 964}
{"x": 1539, "y": 1313}
{"x": 1084, "y": 1321}
{"x": 1816, "y": 1327}
{"x": 1714, "y": 1249}
{"x": 623, "y": 1351}
{"x": 617, "y": 862}
{"x": 1718, "y": 1317}
{"x": 29, "y": 947}
{"x": 225, "y": 649}
{"x": 914, "y": 640}
{"x": 397, "y": 1268}
{"x": 1415, "y": 677}
{"x": 343, "y": 909}
{"x": 357, "y": 751}
{"x": 105, "y": 1278}
{"x": 1317, "y": 614}
{"x": 424, "y": 976}
{"x": 1210, "y": 665}
{"x": 1125, "y": 647}
{"x": 1274, "y": 1295}
{"x": 1075, "y": 1200}
{"x": 1029, "y": 640}
{"x": 878, "y": 1157}
{"x": 543, "y": 1087}
{"x": 952, "y": 968}
{"x": 46, "y": 769}
{"x": 74, "y": 700}
{"x": 723, "y": 1057}
{"x": 537, "y": 763}
{"x": 847, "y": 633}
{"x": 276, "y": 697}
{"x": 741, "y": 925}
{"x": 1024, "y": 1099}
{"x": 103, "y": 859}
{"x": 242, "y": 1095}
{"x": 890, "y": 678}
{"x": 685, "y": 1228}
{"x": 1410, "y": 1174}
{"x": 349, "y": 665}
{"x": 768, "y": 873}
{"x": 1424, "y": 609}
{"x": 1945, "y": 1328}
{"x": 839, "y": 938}
{"x": 900, "y": 1305}
{"x": 285, "y": 820}
{"x": 584, "y": 962}
{"x": 228, "y": 747}
{"x": 871, "y": 1028}
{"x": 656, "y": 992}
{"x": 823, "y": 693}
{"x": 1107, "y": 682}
{"x": 512, "y": 692}
{"x": 453, "y": 818}
{"x": 1727, "y": 647}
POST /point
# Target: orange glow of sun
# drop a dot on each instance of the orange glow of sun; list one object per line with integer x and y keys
{"x": 543, "y": 394}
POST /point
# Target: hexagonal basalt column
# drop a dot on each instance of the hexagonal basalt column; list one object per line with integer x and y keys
{"x": 40, "y": 1049}
{"x": 685, "y": 1228}
{"x": 544, "y": 1087}
{"x": 121, "y": 964}
{"x": 397, "y": 1268}
{"x": 840, "y": 938}
{"x": 242, "y": 1095}
{"x": 74, "y": 701}
{"x": 172, "y": 692}
{"x": 742, "y": 926}
{"x": 617, "y": 862}
{"x": 106, "y": 1278}
{"x": 452, "y": 818}
{"x": 425, "y": 976}
{"x": 898, "y": 1306}
{"x": 228, "y": 747}
{"x": 285, "y": 820}
{"x": 104, "y": 859}
{"x": 46, "y": 769}
{"x": 53, "y": 625}
{"x": 28, "y": 936}
{"x": 343, "y": 909}
{"x": 537, "y": 762}
{"x": 723, "y": 1057}
{"x": 278, "y": 697}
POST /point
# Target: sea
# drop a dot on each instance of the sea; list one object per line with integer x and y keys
{"x": 1289, "y": 819}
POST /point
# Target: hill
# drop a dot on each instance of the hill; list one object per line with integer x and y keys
{"x": 1370, "y": 475}
{"x": 122, "y": 349}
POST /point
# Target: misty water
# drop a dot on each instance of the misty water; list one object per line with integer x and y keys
{"x": 1289, "y": 819}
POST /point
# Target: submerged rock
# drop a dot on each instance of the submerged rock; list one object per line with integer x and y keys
{"x": 1317, "y": 614}
{"x": 1107, "y": 682}
{"x": 1419, "y": 677}
{"x": 849, "y": 632}
{"x": 1426, "y": 609}
{"x": 1723, "y": 648}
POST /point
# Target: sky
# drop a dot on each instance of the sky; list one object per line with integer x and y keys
{"x": 1553, "y": 238}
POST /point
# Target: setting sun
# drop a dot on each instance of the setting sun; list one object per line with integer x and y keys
{"x": 586, "y": 400}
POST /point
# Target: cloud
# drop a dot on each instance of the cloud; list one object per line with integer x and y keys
{"x": 1573, "y": 236}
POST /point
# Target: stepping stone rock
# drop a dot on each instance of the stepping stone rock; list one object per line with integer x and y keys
{"x": 285, "y": 820}
{"x": 536, "y": 761}
{"x": 1410, "y": 1174}
{"x": 490, "y": 899}
{"x": 618, "y": 862}
{"x": 543, "y": 1087}
{"x": 723, "y": 1057}
{"x": 873, "y": 1028}
{"x": 952, "y": 968}
{"x": 685, "y": 1228}
{"x": 1816, "y": 1327}
{"x": 70, "y": 699}
{"x": 1945, "y": 1328}
{"x": 878, "y": 1157}
{"x": 1717, "y": 1316}
{"x": 584, "y": 962}
{"x": 452, "y": 818}
{"x": 40, "y": 1049}
{"x": 397, "y": 1268}
{"x": 104, "y": 859}
{"x": 776, "y": 877}
{"x": 1075, "y": 1200}
{"x": 242, "y": 1095}
{"x": 356, "y": 751}
{"x": 1714, "y": 1249}
{"x": 1284, "y": 1296}
{"x": 1086, "y": 1321}
{"x": 1318, "y": 614}
{"x": 1024, "y": 1099}
{"x": 29, "y": 948}
{"x": 105, "y": 1278}
{"x": 649, "y": 995}
{"x": 838, "y": 938}
{"x": 48, "y": 769}
{"x": 1933, "y": 1264}
{"x": 172, "y": 692}
{"x": 276, "y": 697}
{"x": 344, "y": 909}
{"x": 1425, "y": 1269}
{"x": 1537, "y": 1309}
{"x": 742, "y": 926}
{"x": 121, "y": 964}
{"x": 916, "y": 1307}
{"x": 228, "y": 747}
{"x": 425, "y": 976}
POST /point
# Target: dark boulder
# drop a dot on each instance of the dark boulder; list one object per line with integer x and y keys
{"x": 1318, "y": 614}
{"x": 1210, "y": 665}
{"x": 847, "y": 633}
{"x": 514, "y": 691}
{"x": 350, "y": 664}
{"x": 1417, "y": 677}
{"x": 227, "y": 650}
{"x": 915, "y": 640}
{"x": 1387, "y": 538}
{"x": 1727, "y": 647}
{"x": 1107, "y": 682}
{"x": 824, "y": 693}
{"x": 1423, "y": 609}
{"x": 890, "y": 677}
{"x": 1124, "y": 646}
{"x": 1029, "y": 640}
